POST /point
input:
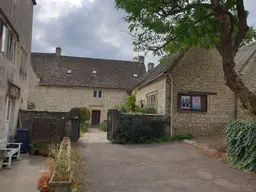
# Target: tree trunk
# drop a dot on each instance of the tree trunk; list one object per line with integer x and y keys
{"x": 236, "y": 84}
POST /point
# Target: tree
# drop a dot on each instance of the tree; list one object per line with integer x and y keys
{"x": 168, "y": 26}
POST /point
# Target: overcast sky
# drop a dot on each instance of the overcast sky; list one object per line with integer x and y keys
{"x": 89, "y": 28}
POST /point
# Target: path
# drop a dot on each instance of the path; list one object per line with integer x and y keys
{"x": 23, "y": 176}
{"x": 167, "y": 167}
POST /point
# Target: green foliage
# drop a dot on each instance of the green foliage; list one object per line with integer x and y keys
{"x": 241, "y": 145}
{"x": 171, "y": 26}
{"x": 103, "y": 126}
{"x": 31, "y": 105}
{"x": 139, "y": 131}
{"x": 147, "y": 110}
{"x": 85, "y": 114}
{"x": 85, "y": 117}
{"x": 83, "y": 128}
{"x": 131, "y": 103}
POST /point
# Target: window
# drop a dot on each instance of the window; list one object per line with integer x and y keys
{"x": 192, "y": 102}
{"x": 152, "y": 99}
{"x": 94, "y": 72}
{"x": 69, "y": 71}
{"x": 7, "y": 41}
{"x": 94, "y": 93}
{"x": 135, "y": 75}
{"x": 3, "y": 37}
{"x": 23, "y": 62}
{"x": 11, "y": 46}
{"x": 98, "y": 94}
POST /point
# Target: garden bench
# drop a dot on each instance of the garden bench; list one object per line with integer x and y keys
{"x": 12, "y": 150}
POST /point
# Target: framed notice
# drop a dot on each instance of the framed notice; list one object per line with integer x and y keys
{"x": 185, "y": 102}
{"x": 196, "y": 102}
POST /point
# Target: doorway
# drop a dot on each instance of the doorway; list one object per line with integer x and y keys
{"x": 95, "y": 118}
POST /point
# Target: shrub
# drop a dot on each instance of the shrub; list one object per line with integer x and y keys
{"x": 85, "y": 114}
{"x": 147, "y": 110}
{"x": 241, "y": 145}
{"x": 103, "y": 126}
{"x": 31, "y": 105}
{"x": 131, "y": 103}
{"x": 139, "y": 131}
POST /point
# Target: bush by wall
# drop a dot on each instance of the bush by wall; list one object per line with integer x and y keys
{"x": 241, "y": 145}
{"x": 85, "y": 116}
{"x": 135, "y": 129}
{"x": 103, "y": 126}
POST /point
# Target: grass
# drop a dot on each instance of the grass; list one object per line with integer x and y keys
{"x": 167, "y": 139}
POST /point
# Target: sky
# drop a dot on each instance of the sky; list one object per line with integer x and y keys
{"x": 89, "y": 28}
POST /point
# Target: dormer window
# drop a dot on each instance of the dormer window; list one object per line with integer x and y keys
{"x": 69, "y": 71}
{"x": 135, "y": 75}
{"x": 94, "y": 72}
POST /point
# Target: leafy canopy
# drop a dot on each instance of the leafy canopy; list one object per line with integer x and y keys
{"x": 173, "y": 25}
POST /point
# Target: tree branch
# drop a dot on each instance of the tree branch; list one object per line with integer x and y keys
{"x": 242, "y": 26}
{"x": 176, "y": 37}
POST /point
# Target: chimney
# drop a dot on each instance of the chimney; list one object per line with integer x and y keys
{"x": 141, "y": 59}
{"x": 58, "y": 51}
{"x": 151, "y": 66}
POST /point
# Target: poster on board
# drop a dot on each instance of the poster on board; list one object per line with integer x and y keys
{"x": 196, "y": 102}
{"x": 185, "y": 102}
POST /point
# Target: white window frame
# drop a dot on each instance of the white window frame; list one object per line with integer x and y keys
{"x": 97, "y": 93}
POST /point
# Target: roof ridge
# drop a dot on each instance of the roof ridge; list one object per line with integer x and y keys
{"x": 80, "y": 57}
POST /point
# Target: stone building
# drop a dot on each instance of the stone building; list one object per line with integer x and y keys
{"x": 59, "y": 83}
{"x": 190, "y": 88}
{"x": 16, "y": 19}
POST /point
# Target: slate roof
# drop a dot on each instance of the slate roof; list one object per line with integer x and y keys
{"x": 242, "y": 58}
{"x": 52, "y": 70}
{"x": 244, "y": 55}
{"x": 159, "y": 70}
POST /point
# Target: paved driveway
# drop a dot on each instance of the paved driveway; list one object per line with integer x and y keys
{"x": 170, "y": 167}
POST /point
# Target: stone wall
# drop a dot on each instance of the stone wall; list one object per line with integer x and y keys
{"x": 159, "y": 87}
{"x": 201, "y": 71}
{"x": 20, "y": 16}
{"x": 53, "y": 98}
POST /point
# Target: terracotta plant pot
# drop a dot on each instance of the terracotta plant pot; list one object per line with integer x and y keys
{"x": 44, "y": 189}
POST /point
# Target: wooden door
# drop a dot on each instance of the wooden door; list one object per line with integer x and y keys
{"x": 95, "y": 118}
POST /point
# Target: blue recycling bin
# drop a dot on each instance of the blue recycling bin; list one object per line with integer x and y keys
{"x": 22, "y": 136}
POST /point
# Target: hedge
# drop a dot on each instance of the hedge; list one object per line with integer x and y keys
{"x": 241, "y": 145}
{"x": 139, "y": 131}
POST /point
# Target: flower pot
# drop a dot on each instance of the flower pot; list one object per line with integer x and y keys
{"x": 44, "y": 189}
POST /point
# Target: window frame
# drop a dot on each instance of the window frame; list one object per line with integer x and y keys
{"x": 203, "y": 102}
{"x": 97, "y": 95}
{"x": 149, "y": 99}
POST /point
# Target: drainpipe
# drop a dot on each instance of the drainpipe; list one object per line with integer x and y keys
{"x": 171, "y": 107}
